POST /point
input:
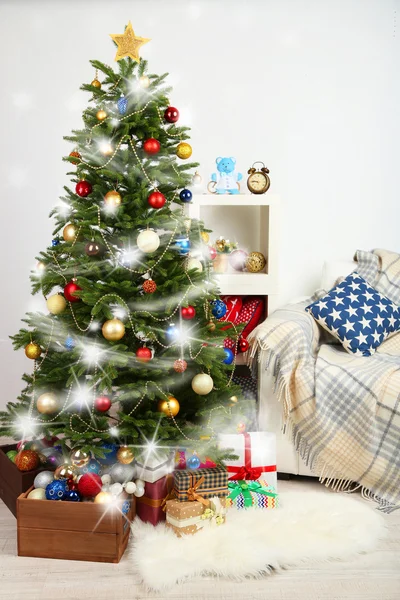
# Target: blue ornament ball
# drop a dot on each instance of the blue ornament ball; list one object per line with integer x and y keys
{"x": 57, "y": 490}
{"x": 110, "y": 454}
{"x": 229, "y": 356}
{"x": 183, "y": 245}
{"x": 69, "y": 343}
{"x": 93, "y": 466}
{"x": 122, "y": 105}
{"x": 218, "y": 309}
{"x": 73, "y": 496}
{"x": 55, "y": 242}
{"x": 172, "y": 333}
{"x": 193, "y": 462}
{"x": 125, "y": 507}
{"x": 186, "y": 195}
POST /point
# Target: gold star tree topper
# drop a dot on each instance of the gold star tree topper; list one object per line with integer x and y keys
{"x": 128, "y": 43}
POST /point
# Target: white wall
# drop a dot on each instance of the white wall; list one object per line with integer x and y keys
{"x": 310, "y": 87}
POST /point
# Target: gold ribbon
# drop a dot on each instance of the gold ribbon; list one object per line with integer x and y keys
{"x": 170, "y": 493}
{"x": 192, "y": 491}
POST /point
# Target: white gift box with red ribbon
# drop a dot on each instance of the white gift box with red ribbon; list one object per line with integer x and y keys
{"x": 257, "y": 456}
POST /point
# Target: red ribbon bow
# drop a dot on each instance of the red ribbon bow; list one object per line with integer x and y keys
{"x": 247, "y": 471}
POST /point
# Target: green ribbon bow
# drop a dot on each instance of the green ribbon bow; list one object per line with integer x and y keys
{"x": 246, "y": 487}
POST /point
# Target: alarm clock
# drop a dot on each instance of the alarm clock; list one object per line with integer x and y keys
{"x": 258, "y": 181}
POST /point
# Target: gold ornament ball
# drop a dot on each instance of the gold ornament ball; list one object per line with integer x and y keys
{"x": 255, "y": 262}
{"x": 205, "y": 236}
{"x": 220, "y": 245}
{"x": 37, "y": 494}
{"x": 66, "y": 472}
{"x": 103, "y": 498}
{"x": 125, "y": 455}
{"x": 184, "y": 150}
{"x": 144, "y": 81}
{"x": 112, "y": 199}
{"x": 96, "y": 83}
{"x": 56, "y": 304}
{"x": 241, "y": 427}
{"x": 211, "y": 326}
{"x": 101, "y": 115}
{"x": 202, "y": 384}
{"x": 79, "y": 458}
{"x": 47, "y": 403}
{"x": 113, "y": 330}
{"x": 33, "y": 350}
{"x": 234, "y": 400}
{"x": 169, "y": 407}
{"x": 69, "y": 232}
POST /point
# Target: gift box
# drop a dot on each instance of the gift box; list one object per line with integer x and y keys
{"x": 151, "y": 507}
{"x": 154, "y": 467}
{"x": 186, "y": 518}
{"x": 257, "y": 456}
{"x": 190, "y": 484}
{"x": 247, "y": 494}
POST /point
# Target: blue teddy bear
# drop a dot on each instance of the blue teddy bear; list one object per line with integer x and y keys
{"x": 226, "y": 179}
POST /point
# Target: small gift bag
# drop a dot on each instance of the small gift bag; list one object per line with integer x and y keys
{"x": 247, "y": 494}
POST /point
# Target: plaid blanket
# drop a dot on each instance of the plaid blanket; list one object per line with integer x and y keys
{"x": 342, "y": 411}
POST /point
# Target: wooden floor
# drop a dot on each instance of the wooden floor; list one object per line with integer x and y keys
{"x": 368, "y": 577}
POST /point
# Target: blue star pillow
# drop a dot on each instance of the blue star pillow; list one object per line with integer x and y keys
{"x": 357, "y": 315}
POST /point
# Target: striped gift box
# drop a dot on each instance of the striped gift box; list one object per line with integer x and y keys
{"x": 215, "y": 483}
{"x": 248, "y": 494}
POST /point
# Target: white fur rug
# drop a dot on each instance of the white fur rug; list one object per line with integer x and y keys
{"x": 306, "y": 527}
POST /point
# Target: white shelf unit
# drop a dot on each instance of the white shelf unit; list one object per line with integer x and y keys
{"x": 251, "y": 221}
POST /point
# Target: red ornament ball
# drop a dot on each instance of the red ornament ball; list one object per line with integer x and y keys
{"x": 27, "y": 460}
{"x": 89, "y": 485}
{"x": 156, "y": 200}
{"x": 149, "y": 286}
{"x": 102, "y": 403}
{"x": 151, "y": 146}
{"x": 144, "y": 354}
{"x": 213, "y": 252}
{"x": 69, "y": 290}
{"x": 171, "y": 115}
{"x": 188, "y": 312}
{"x": 243, "y": 345}
{"x": 83, "y": 188}
{"x": 180, "y": 365}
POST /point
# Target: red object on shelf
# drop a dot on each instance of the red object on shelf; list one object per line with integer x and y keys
{"x": 251, "y": 312}
{"x": 69, "y": 290}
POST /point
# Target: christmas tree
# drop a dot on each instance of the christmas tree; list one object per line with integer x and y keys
{"x": 130, "y": 349}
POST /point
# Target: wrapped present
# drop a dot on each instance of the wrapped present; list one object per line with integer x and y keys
{"x": 245, "y": 494}
{"x": 186, "y": 518}
{"x": 151, "y": 507}
{"x": 257, "y": 456}
{"x": 200, "y": 484}
{"x": 154, "y": 467}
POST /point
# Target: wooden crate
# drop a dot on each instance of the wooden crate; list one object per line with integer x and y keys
{"x": 12, "y": 481}
{"x": 72, "y": 530}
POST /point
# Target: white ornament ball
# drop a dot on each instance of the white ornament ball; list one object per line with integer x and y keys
{"x": 148, "y": 241}
{"x": 130, "y": 487}
{"x": 202, "y": 384}
{"x": 139, "y": 482}
{"x": 106, "y": 479}
{"x": 194, "y": 263}
{"x": 43, "y": 479}
{"x": 116, "y": 489}
{"x": 139, "y": 492}
{"x": 37, "y": 494}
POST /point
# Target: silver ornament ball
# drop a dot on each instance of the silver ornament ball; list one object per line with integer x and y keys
{"x": 43, "y": 479}
{"x": 121, "y": 473}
